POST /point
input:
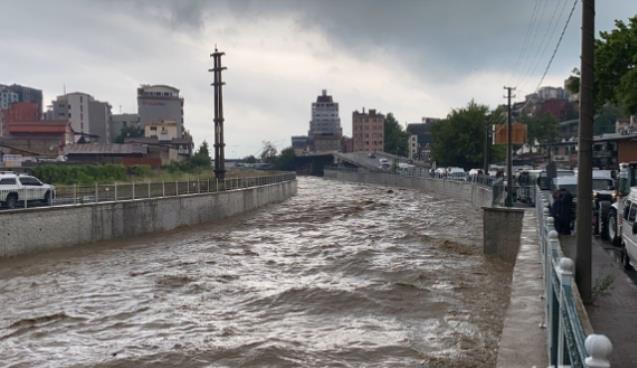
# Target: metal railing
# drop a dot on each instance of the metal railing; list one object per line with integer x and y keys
{"x": 93, "y": 193}
{"x": 567, "y": 341}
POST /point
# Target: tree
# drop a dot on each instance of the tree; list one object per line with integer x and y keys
{"x": 268, "y": 153}
{"x": 615, "y": 68}
{"x": 285, "y": 161}
{"x": 395, "y": 137}
{"x": 202, "y": 157}
{"x": 458, "y": 140}
{"x": 129, "y": 132}
{"x": 542, "y": 128}
{"x": 250, "y": 159}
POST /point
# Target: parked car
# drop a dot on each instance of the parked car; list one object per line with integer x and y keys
{"x": 629, "y": 230}
{"x": 19, "y": 188}
{"x": 456, "y": 173}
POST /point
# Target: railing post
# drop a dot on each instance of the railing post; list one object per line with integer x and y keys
{"x": 74, "y": 193}
{"x": 188, "y": 185}
{"x": 96, "y": 193}
{"x": 208, "y": 184}
{"x": 163, "y": 188}
{"x": 566, "y": 277}
{"x": 598, "y": 349}
{"x": 176, "y": 187}
{"x": 552, "y": 297}
{"x": 149, "y": 196}
{"x": 115, "y": 192}
{"x": 133, "y": 190}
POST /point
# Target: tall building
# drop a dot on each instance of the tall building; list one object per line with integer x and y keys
{"x": 325, "y": 127}
{"x": 90, "y": 119}
{"x": 7, "y": 97}
{"x": 156, "y": 103}
{"x": 368, "y": 131}
{"x": 28, "y": 94}
{"x": 121, "y": 121}
{"x": 412, "y": 145}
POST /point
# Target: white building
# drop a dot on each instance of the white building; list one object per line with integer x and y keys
{"x": 89, "y": 118}
{"x": 325, "y": 118}
{"x": 156, "y": 103}
{"x": 412, "y": 145}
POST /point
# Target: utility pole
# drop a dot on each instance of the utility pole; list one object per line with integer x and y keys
{"x": 509, "y": 199}
{"x": 486, "y": 149}
{"x": 220, "y": 167}
{"x": 583, "y": 261}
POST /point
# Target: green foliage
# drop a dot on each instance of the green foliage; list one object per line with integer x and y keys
{"x": 542, "y": 128}
{"x": 458, "y": 140}
{"x": 129, "y": 132}
{"x": 572, "y": 82}
{"x": 395, "y": 137}
{"x": 605, "y": 119}
{"x": 250, "y": 159}
{"x": 84, "y": 174}
{"x": 285, "y": 161}
{"x": 202, "y": 157}
{"x": 268, "y": 153}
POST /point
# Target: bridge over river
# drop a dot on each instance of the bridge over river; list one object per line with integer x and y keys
{"x": 342, "y": 275}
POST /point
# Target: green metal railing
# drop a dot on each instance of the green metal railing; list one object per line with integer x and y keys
{"x": 567, "y": 342}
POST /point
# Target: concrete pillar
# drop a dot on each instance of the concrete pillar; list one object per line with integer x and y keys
{"x": 502, "y": 228}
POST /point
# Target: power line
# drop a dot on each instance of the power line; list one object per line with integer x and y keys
{"x": 551, "y": 29}
{"x": 523, "y": 45}
{"x": 557, "y": 46}
{"x": 527, "y": 61}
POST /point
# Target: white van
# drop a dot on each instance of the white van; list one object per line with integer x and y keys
{"x": 629, "y": 230}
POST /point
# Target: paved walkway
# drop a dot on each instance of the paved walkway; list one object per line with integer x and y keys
{"x": 614, "y": 309}
{"x": 523, "y": 340}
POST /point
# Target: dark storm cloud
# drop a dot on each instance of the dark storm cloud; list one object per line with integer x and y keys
{"x": 435, "y": 38}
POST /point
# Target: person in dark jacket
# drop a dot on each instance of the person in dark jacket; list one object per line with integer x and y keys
{"x": 566, "y": 211}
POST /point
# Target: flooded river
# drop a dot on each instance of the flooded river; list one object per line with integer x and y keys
{"x": 341, "y": 275}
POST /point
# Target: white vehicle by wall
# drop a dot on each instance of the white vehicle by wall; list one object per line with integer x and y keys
{"x": 456, "y": 173}
{"x": 629, "y": 230}
{"x": 15, "y": 189}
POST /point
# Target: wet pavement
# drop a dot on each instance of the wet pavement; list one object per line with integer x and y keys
{"x": 341, "y": 275}
{"x": 614, "y": 299}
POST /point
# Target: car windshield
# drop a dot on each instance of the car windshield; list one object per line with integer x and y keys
{"x": 602, "y": 184}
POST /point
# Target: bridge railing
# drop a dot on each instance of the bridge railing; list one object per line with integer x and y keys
{"x": 568, "y": 343}
{"x": 112, "y": 192}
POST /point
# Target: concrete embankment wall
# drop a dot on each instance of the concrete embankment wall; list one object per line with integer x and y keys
{"x": 478, "y": 195}
{"x": 37, "y": 229}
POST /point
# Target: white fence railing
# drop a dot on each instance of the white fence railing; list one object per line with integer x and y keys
{"x": 98, "y": 192}
{"x": 567, "y": 342}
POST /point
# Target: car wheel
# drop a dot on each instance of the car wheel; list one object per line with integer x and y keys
{"x": 47, "y": 198}
{"x": 613, "y": 235}
{"x": 626, "y": 261}
{"x": 12, "y": 201}
{"x": 603, "y": 226}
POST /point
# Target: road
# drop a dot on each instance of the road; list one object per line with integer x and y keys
{"x": 614, "y": 299}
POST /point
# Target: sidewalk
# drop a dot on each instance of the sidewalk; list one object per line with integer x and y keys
{"x": 614, "y": 310}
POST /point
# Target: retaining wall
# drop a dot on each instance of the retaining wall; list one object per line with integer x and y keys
{"x": 478, "y": 195}
{"x": 31, "y": 230}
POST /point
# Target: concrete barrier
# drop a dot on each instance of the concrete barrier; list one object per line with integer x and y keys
{"x": 37, "y": 229}
{"x": 502, "y": 230}
{"x": 478, "y": 195}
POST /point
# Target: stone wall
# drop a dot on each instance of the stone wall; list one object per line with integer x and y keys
{"x": 37, "y": 229}
{"x": 478, "y": 195}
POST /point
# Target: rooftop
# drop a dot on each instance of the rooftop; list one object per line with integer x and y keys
{"x": 105, "y": 149}
{"x": 39, "y": 127}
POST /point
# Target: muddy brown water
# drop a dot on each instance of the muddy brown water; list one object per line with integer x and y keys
{"x": 342, "y": 275}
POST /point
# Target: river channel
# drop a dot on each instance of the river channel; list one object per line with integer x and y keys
{"x": 342, "y": 275}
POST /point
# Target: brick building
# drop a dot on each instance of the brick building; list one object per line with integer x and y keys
{"x": 368, "y": 131}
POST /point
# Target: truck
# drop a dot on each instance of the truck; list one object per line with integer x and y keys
{"x": 20, "y": 188}
{"x": 607, "y": 208}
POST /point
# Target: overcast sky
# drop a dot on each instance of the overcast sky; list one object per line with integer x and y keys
{"x": 413, "y": 58}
